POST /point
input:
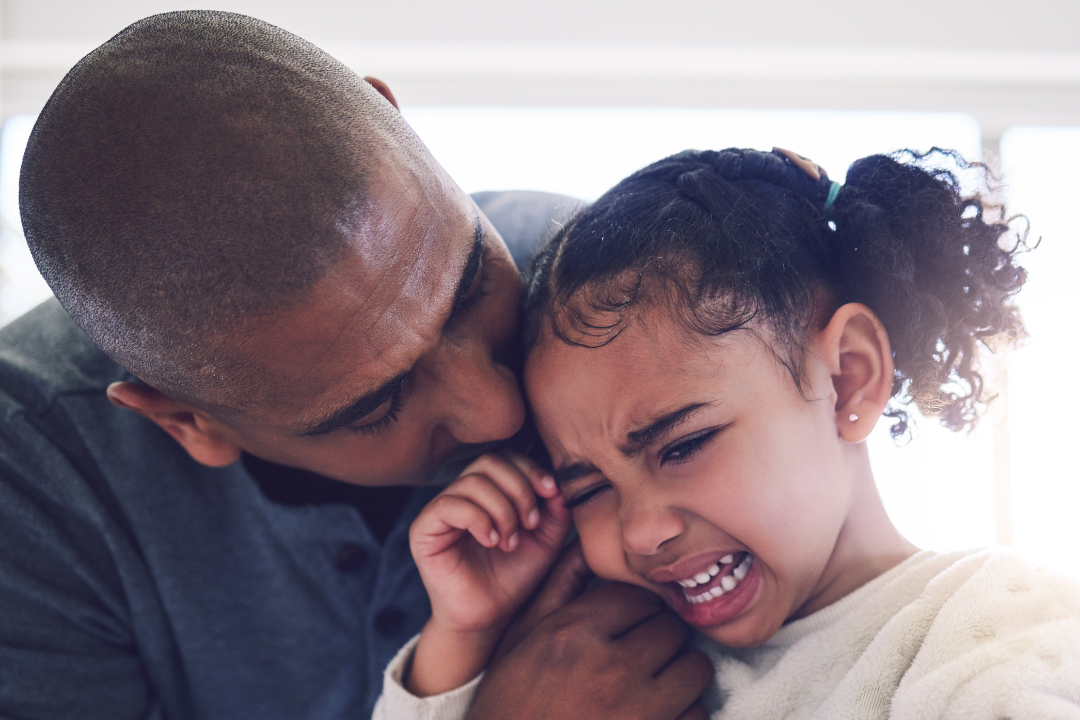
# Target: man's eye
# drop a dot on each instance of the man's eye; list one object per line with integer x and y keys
{"x": 686, "y": 448}
{"x": 474, "y": 299}
{"x": 389, "y": 417}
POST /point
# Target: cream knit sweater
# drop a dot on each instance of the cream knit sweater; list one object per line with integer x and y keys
{"x": 977, "y": 634}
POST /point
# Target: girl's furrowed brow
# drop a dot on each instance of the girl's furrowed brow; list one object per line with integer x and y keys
{"x": 660, "y": 428}
{"x": 569, "y": 473}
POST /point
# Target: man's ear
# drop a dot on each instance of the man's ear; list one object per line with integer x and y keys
{"x": 205, "y": 439}
{"x": 383, "y": 89}
{"x": 856, "y": 348}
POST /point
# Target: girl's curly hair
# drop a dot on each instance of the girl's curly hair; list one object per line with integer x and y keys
{"x": 724, "y": 237}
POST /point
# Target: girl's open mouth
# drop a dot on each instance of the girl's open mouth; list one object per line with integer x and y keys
{"x": 718, "y": 593}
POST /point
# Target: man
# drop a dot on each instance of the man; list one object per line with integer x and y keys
{"x": 297, "y": 317}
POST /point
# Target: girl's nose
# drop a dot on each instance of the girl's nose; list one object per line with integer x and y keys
{"x": 647, "y": 526}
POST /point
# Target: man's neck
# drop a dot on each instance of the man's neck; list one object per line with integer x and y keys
{"x": 379, "y": 506}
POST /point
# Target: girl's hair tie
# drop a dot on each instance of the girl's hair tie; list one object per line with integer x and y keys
{"x": 814, "y": 170}
{"x": 826, "y": 209}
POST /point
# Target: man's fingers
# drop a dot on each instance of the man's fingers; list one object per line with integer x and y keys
{"x": 617, "y": 608}
{"x": 695, "y": 712}
{"x": 688, "y": 675}
{"x": 564, "y": 583}
{"x": 656, "y": 640}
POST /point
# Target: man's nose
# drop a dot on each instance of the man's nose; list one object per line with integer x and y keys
{"x": 480, "y": 399}
{"x": 647, "y": 525}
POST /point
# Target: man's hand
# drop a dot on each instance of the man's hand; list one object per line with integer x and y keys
{"x": 615, "y": 652}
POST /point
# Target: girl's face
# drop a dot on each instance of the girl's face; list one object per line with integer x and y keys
{"x": 696, "y": 470}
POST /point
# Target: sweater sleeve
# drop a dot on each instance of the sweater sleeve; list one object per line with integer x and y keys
{"x": 1006, "y": 645}
{"x": 397, "y": 703}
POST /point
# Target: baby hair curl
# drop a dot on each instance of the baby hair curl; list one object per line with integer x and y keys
{"x": 727, "y": 237}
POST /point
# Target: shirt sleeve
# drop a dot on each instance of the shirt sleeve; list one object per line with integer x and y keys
{"x": 66, "y": 646}
{"x": 397, "y": 703}
{"x": 526, "y": 218}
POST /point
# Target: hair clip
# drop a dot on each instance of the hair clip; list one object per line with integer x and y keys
{"x": 805, "y": 164}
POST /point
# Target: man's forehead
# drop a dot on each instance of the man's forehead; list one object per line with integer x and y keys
{"x": 378, "y": 309}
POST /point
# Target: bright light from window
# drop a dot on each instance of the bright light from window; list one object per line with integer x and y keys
{"x": 21, "y": 287}
{"x": 1041, "y": 169}
{"x": 582, "y": 152}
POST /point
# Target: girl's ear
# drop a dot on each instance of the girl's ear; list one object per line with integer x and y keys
{"x": 206, "y": 440}
{"x": 857, "y": 351}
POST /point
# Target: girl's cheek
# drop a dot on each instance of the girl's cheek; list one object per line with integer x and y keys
{"x": 602, "y": 545}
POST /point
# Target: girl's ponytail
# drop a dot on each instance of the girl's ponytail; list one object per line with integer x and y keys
{"x": 733, "y": 238}
{"x": 912, "y": 247}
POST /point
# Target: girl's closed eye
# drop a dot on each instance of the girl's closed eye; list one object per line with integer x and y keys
{"x": 587, "y": 495}
{"x": 684, "y": 449}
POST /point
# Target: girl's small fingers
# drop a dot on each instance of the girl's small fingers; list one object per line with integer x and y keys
{"x": 452, "y": 512}
{"x": 540, "y": 478}
{"x": 515, "y": 484}
{"x": 555, "y": 523}
{"x": 555, "y": 508}
{"x": 489, "y": 496}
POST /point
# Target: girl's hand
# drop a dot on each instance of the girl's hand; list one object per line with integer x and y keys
{"x": 482, "y": 547}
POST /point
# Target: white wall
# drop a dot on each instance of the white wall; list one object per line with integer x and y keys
{"x": 1005, "y": 62}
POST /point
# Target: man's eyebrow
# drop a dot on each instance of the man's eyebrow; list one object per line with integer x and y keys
{"x": 660, "y": 428}
{"x": 357, "y": 409}
{"x": 572, "y": 472}
{"x": 472, "y": 267}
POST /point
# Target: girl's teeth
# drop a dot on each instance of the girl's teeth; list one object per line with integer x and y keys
{"x": 702, "y": 577}
{"x": 727, "y": 583}
{"x": 742, "y": 568}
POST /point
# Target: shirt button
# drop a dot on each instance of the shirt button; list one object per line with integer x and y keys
{"x": 350, "y": 558}
{"x": 389, "y": 622}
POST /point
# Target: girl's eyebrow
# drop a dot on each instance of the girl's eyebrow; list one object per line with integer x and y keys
{"x": 660, "y": 428}
{"x": 572, "y": 472}
{"x": 636, "y": 440}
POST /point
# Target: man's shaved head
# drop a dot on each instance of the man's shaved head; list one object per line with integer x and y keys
{"x": 198, "y": 170}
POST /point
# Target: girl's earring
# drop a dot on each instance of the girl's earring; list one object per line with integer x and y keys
{"x": 853, "y": 417}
